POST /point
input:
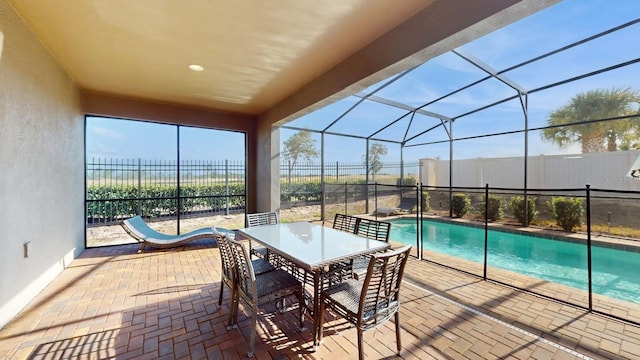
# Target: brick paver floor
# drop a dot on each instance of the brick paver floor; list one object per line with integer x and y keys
{"x": 115, "y": 303}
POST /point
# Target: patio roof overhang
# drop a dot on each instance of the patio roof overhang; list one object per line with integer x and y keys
{"x": 266, "y": 62}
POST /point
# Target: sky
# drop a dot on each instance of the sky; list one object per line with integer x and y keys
{"x": 116, "y": 138}
{"x": 548, "y": 30}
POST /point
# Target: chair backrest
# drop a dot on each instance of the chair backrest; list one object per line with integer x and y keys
{"x": 226, "y": 257}
{"x": 408, "y": 202}
{"x": 379, "y": 299}
{"x": 374, "y": 229}
{"x": 346, "y": 223}
{"x": 244, "y": 275}
{"x": 265, "y": 218}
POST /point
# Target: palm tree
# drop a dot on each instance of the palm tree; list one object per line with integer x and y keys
{"x": 579, "y": 120}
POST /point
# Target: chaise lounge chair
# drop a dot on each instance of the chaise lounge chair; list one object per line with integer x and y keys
{"x": 139, "y": 230}
{"x": 385, "y": 211}
{"x": 407, "y": 205}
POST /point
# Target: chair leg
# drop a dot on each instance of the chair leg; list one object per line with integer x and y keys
{"x": 360, "y": 349}
{"x": 398, "y": 342}
{"x": 233, "y": 310}
{"x": 301, "y": 307}
{"x": 230, "y": 317}
{"x": 320, "y": 322}
{"x": 252, "y": 337}
{"x": 236, "y": 309}
{"x": 222, "y": 284}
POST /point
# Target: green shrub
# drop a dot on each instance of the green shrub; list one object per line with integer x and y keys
{"x": 309, "y": 191}
{"x": 494, "y": 208}
{"x": 460, "y": 204}
{"x": 425, "y": 202}
{"x": 516, "y": 205}
{"x": 408, "y": 181}
{"x": 567, "y": 212}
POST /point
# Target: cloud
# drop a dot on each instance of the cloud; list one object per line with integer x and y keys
{"x": 101, "y": 150}
{"x": 105, "y": 133}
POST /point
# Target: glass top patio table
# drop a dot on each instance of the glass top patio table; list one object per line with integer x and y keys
{"x": 312, "y": 246}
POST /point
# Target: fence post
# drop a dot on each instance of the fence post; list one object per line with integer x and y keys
{"x": 346, "y": 200}
{"x": 178, "y": 196}
{"x": 139, "y": 187}
{"x": 226, "y": 185}
{"x": 375, "y": 199}
{"x": 419, "y": 219}
{"x": 289, "y": 181}
{"x": 486, "y": 228}
{"x": 589, "y": 269}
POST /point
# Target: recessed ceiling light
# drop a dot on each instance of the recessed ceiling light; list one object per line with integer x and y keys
{"x": 196, "y": 67}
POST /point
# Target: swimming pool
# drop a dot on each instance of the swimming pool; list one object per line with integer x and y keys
{"x": 615, "y": 272}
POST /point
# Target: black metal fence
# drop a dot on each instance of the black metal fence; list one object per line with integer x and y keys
{"x": 120, "y": 188}
{"x": 301, "y": 184}
{"x": 580, "y": 246}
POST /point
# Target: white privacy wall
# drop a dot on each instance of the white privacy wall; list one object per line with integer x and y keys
{"x": 600, "y": 170}
{"x": 41, "y": 166}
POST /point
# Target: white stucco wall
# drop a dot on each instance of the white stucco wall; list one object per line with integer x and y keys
{"x": 605, "y": 170}
{"x": 41, "y": 166}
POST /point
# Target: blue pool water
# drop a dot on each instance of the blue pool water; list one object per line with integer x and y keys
{"x": 616, "y": 273}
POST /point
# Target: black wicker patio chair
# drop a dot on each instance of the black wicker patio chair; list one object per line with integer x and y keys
{"x": 346, "y": 223}
{"x": 374, "y": 229}
{"x": 265, "y": 218}
{"x": 260, "y": 266}
{"x": 368, "y": 228}
{"x": 369, "y": 303}
{"x": 371, "y": 229}
{"x": 259, "y": 219}
{"x": 256, "y": 290}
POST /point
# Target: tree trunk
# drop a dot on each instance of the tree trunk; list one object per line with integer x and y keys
{"x": 611, "y": 141}
{"x": 593, "y": 144}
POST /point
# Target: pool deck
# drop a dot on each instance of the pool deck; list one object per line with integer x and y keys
{"x": 112, "y": 302}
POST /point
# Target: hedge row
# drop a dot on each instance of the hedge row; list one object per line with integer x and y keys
{"x": 312, "y": 191}
{"x": 113, "y": 202}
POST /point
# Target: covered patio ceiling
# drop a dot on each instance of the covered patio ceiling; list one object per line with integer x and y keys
{"x": 271, "y": 60}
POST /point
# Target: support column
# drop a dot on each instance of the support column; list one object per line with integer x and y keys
{"x": 267, "y": 168}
